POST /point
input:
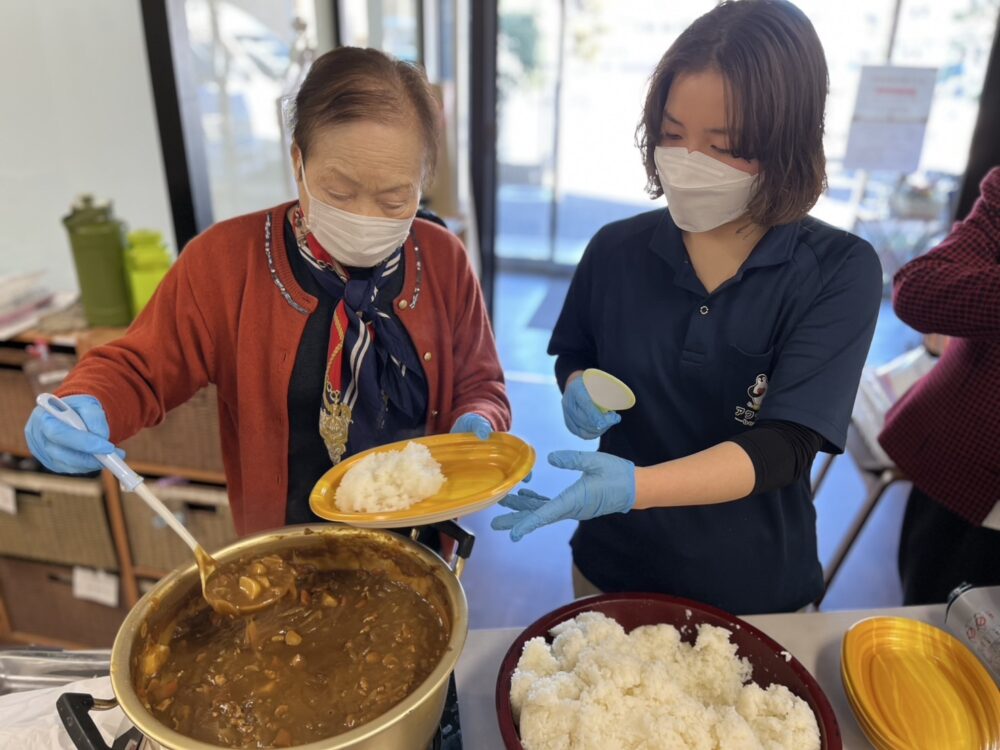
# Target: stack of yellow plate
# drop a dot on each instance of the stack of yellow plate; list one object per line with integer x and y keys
{"x": 478, "y": 473}
{"x": 915, "y": 687}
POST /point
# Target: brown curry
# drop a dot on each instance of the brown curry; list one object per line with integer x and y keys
{"x": 248, "y": 586}
{"x": 341, "y": 649}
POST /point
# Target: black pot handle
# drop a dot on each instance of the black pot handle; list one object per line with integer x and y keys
{"x": 74, "y": 710}
{"x": 464, "y": 539}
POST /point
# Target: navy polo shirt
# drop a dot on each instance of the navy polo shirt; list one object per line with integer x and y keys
{"x": 785, "y": 339}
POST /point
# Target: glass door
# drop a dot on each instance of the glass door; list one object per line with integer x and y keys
{"x": 393, "y": 26}
{"x": 572, "y": 77}
{"x": 247, "y": 58}
{"x": 902, "y": 213}
{"x": 571, "y": 80}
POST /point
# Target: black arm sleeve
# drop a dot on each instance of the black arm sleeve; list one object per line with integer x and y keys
{"x": 781, "y": 452}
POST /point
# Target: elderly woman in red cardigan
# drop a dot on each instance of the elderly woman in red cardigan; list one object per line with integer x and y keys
{"x": 330, "y": 324}
{"x": 945, "y": 432}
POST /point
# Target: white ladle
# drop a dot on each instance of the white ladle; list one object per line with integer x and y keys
{"x": 220, "y": 597}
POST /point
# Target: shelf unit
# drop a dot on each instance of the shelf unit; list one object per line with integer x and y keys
{"x": 13, "y": 354}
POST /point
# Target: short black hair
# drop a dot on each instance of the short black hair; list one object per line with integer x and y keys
{"x": 776, "y": 81}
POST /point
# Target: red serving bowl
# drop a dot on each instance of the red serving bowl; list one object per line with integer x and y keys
{"x": 770, "y": 664}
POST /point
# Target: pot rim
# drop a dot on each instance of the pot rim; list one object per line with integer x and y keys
{"x": 148, "y": 725}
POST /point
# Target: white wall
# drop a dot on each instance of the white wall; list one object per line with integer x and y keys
{"x": 76, "y": 115}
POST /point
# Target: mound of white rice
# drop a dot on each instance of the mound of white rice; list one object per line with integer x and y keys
{"x": 597, "y": 687}
{"x": 389, "y": 481}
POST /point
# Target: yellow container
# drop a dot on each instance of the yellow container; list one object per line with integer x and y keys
{"x": 146, "y": 263}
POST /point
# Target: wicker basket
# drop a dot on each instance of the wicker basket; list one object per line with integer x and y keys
{"x": 187, "y": 439}
{"x": 59, "y": 520}
{"x": 39, "y": 600}
{"x": 17, "y": 400}
{"x": 203, "y": 509}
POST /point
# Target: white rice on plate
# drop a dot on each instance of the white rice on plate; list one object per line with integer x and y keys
{"x": 597, "y": 687}
{"x": 390, "y": 481}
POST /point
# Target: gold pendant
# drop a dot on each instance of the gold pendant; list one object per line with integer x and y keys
{"x": 334, "y": 423}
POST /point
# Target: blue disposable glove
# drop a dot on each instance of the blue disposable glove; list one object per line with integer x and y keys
{"x": 64, "y": 449}
{"x": 477, "y": 424}
{"x": 607, "y": 486}
{"x": 583, "y": 417}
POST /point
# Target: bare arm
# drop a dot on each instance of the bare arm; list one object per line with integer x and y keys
{"x": 718, "y": 474}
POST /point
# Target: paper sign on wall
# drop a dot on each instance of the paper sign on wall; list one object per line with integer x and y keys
{"x": 890, "y": 118}
{"x": 8, "y": 499}
{"x": 95, "y": 586}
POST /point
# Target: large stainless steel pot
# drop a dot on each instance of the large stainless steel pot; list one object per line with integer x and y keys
{"x": 410, "y": 725}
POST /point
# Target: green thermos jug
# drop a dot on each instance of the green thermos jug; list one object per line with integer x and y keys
{"x": 97, "y": 240}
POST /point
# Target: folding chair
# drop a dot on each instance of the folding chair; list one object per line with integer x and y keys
{"x": 878, "y": 476}
{"x": 879, "y": 389}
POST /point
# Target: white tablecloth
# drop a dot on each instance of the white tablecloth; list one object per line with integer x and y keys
{"x": 28, "y": 721}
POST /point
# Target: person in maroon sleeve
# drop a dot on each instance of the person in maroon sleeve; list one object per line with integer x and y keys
{"x": 944, "y": 433}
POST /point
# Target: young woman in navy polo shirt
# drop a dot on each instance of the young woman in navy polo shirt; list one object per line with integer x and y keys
{"x": 740, "y": 323}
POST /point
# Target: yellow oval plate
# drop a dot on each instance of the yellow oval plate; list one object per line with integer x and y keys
{"x": 478, "y": 473}
{"x": 874, "y": 736}
{"x": 915, "y": 687}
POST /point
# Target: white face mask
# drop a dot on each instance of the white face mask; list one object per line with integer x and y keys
{"x": 355, "y": 241}
{"x": 702, "y": 192}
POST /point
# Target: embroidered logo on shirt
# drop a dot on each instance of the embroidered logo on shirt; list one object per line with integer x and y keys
{"x": 746, "y": 415}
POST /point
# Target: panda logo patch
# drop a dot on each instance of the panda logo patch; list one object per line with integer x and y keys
{"x": 747, "y": 415}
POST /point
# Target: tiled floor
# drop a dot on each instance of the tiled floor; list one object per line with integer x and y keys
{"x": 512, "y": 584}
